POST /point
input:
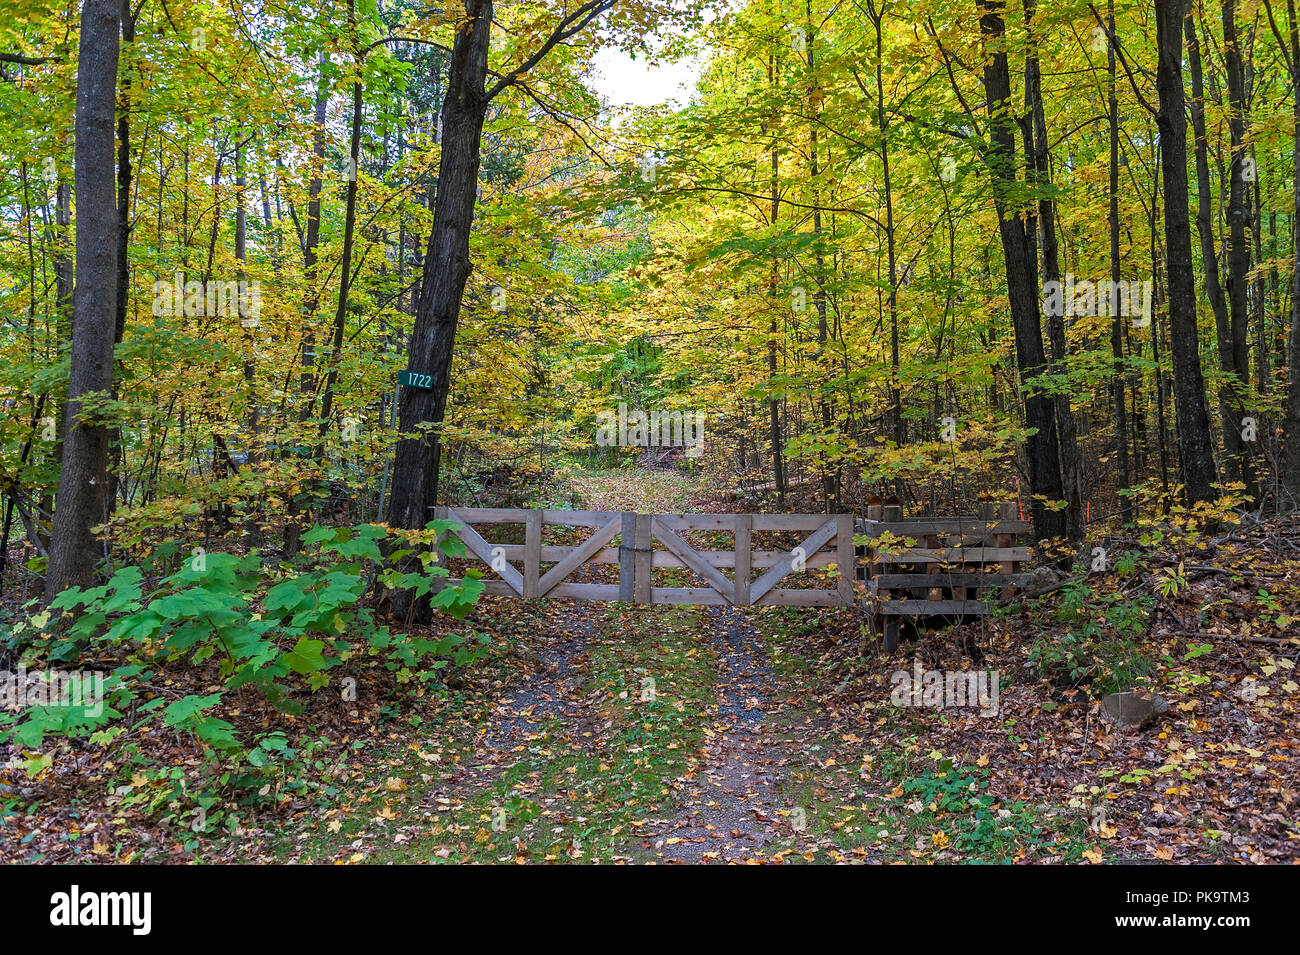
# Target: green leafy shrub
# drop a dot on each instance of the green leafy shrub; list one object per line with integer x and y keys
{"x": 277, "y": 629}
{"x": 1100, "y": 647}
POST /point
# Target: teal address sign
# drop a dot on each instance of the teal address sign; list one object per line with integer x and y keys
{"x": 415, "y": 379}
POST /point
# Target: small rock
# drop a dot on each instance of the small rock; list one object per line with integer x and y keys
{"x": 1040, "y": 578}
{"x": 1133, "y": 709}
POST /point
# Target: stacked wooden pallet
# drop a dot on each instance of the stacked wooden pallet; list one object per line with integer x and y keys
{"x": 938, "y": 566}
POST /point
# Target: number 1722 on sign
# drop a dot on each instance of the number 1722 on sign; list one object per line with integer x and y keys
{"x": 415, "y": 379}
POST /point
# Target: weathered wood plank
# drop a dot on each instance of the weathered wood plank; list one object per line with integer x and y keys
{"x": 811, "y": 545}
{"x": 702, "y": 596}
{"x": 1005, "y": 540}
{"x": 551, "y": 553}
{"x": 575, "y": 591}
{"x": 626, "y": 555}
{"x": 568, "y": 590}
{"x": 791, "y": 522}
{"x": 644, "y": 568}
{"x": 790, "y": 597}
{"x": 483, "y": 551}
{"x": 595, "y": 542}
{"x": 692, "y": 559}
{"x": 931, "y": 608}
{"x": 957, "y": 555}
{"x": 944, "y": 525}
{"x": 844, "y": 557}
{"x": 888, "y": 581}
{"x": 532, "y": 553}
{"x": 935, "y": 592}
{"x": 679, "y": 523}
{"x": 782, "y": 597}
{"x": 743, "y": 558}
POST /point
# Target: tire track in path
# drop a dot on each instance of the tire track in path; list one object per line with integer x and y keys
{"x": 731, "y": 809}
{"x": 522, "y": 713}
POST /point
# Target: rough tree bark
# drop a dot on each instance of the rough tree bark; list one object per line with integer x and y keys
{"x": 1290, "y": 48}
{"x": 310, "y": 246}
{"x": 1116, "y": 320}
{"x": 83, "y": 478}
{"x": 1231, "y": 421}
{"x": 417, "y": 461}
{"x": 1195, "y": 446}
{"x": 1238, "y": 248}
{"x": 446, "y": 270}
{"x": 1072, "y": 471}
{"x": 1043, "y": 452}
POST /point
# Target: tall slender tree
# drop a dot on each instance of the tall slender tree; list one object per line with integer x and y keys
{"x": 1021, "y": 271}
{"x": 418, "y": 459}
{"x": 82, "y": 501}
{"x": 1195, "y": 445}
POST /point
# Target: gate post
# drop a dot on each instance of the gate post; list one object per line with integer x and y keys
{"x": 1007, "y": 512}
{"x": 845, "y": 558}
{"x": 627, "y": 558}
{"x": 744, "y": 557}
{"x": 532, "y": 552}
{"x": 643, "y": 558}
{"x": 891, "y": 513}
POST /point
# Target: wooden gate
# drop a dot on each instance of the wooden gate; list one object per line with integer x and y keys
{"x": 517, "y": 569}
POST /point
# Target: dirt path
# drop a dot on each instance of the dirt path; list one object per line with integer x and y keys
{"x": 525, "y": 710}
{"x": 731, "y": 810}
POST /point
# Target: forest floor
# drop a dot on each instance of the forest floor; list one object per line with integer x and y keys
{"x": 672, "y": 734}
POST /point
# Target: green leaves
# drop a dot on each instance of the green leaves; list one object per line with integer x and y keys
{"x": 208, "y": 610}
{"x": 306, "y": 656}
{"x": 184, "y": 709}
{"x": 311, "y": 618}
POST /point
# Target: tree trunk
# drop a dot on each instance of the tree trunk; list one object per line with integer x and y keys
{"x": 83, "y": 478}
{"x": 311, "y": 241}
{"x": 345, "y": 269}
{"x": 1196, "y": 448}
{"x": 349, "y": 231}
{"x": 127, "y": 23}
{"x": 1230, "y": 419}
{"x": 829, "y": 482}
{"x": 899, "y": 429}
{"x": 1042, "y": 450}
{"x": 1072, "y": 476}
{"x": 774, "y": 403}
{"x": 446, "y": 270}
{"x": 1238, "y": 251}
{"x": 1291, "y": 476}
{"x": 1117, "y": 320}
